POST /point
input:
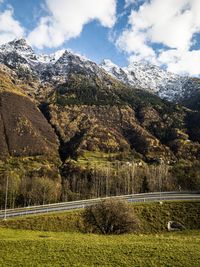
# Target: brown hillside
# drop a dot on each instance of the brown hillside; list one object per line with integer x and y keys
{"x": 23, "y": 129}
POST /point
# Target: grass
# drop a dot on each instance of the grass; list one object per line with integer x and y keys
{"x": 57, "y": 222}
{"x": 59, "y": 241}
{"x": 6, "y": 84}
{"x": 32, "y": 248}
{"x": 99, "y": 159}
{"x": 96, "y": 158}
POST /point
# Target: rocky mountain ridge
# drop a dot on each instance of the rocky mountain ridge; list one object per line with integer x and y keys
{"x": 56, "y": 67}
{"x": 141, "y": 75}
{"x": 18, "y": 55}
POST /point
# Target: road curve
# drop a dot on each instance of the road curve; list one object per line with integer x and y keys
{"x": 64, "y": 206}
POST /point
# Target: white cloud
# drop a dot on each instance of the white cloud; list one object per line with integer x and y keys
{"x": 67, "y": 18}
{"x": 9, "y": 27}
{"x": 171, "y": 23}
{"x": 183, "y": 62}
{"x": 134, "y": 42}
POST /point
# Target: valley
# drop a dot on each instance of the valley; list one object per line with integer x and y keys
{"x": 99, "y": 133}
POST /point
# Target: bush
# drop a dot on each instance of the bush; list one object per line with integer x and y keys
{"x": 110, "y": 217}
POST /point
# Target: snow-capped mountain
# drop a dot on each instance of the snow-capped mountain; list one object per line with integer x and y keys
{"x": 19, "y": 56}
{"x": 150, "y": 77}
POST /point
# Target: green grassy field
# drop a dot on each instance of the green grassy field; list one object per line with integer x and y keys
{"x": 32, "y": 248}
{"x": 56, "y": 240}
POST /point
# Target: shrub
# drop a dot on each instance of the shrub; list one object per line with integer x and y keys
{"x": 110, "y": 217}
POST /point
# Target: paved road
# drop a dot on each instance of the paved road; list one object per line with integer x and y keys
{"x": 147, "y": 197}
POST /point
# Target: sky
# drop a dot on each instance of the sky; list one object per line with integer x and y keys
{"x": 162, "y": 32}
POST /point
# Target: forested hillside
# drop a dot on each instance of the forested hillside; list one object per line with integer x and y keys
{"x": 69, "y": 130}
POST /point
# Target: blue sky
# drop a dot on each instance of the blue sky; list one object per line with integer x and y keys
{"x": 93, "y": 42}
{"x": 161, "y": 32}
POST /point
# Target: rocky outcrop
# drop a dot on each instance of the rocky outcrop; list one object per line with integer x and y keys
{"x": 175, "y": 226}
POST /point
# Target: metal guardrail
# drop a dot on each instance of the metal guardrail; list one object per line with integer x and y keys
{"x": 99, "y": 199}
{"x": 145, "y": 197}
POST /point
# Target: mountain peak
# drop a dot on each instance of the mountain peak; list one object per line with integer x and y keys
{"x": 19, "y": 41}
{"x": 18, "y": 45}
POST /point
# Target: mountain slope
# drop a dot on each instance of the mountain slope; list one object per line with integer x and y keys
{"x": 23, "y": 127}
{"x": 121, "y": 117}
{"x": 28, "y": 148}
{"x": 114, "y": 138}
{"x": 193, "y": 100}
{"x": 91, "y": 115}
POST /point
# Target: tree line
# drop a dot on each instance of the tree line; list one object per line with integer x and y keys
{"x": 82, "y": 182}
